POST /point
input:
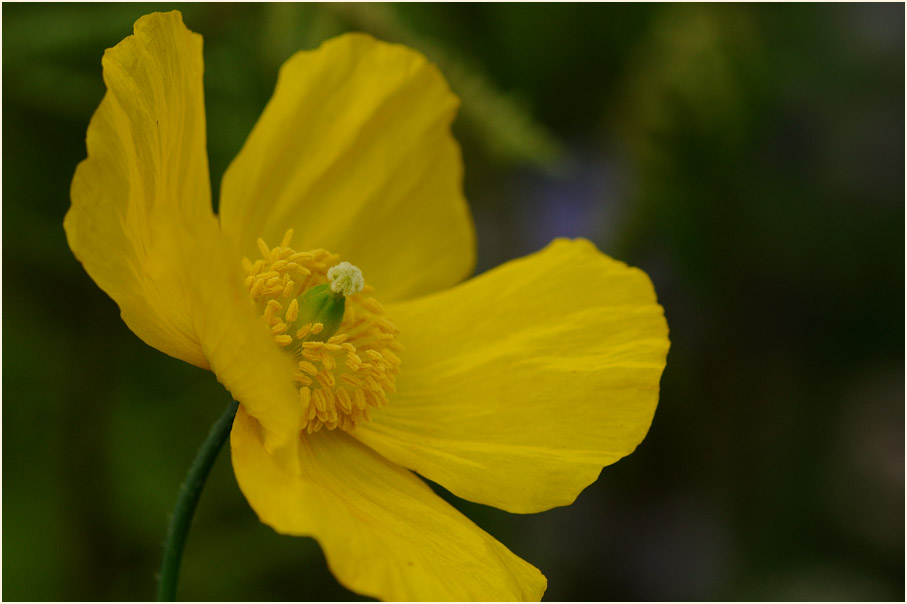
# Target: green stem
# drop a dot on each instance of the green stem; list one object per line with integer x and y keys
{"x": 186, "y": 502}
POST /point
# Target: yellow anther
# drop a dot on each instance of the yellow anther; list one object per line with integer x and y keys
{"x": 391, "y": 357}
{"x": 352, "y": 379}
{"x": 359, "y": 398}
{"x": 292, "y": 311}
{"x": 307, "y": 367}
{"x": 326, "y": 379}
{"x": 279, "y": 328}
{"x": 257, "y": 288}
{"x": 353, "y": 361}
{"x": 373, "y": 305}
{"x": 312, "y": 355}
{"x": 372, "y": 384}
{"x": 302, "y": 379}
{"x": 318, "y": 399}
{"x": 271, "y": 310}
{"x": 344, "y": 400}
{"x": 386, "y": 325}
{"x": 263, "y": 248}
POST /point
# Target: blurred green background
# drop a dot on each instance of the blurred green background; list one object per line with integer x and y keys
{"x": 750, "y": 158}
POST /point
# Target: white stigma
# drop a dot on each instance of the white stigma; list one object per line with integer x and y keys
{"x": 346, "y": 279}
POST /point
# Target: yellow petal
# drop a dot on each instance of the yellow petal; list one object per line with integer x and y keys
{"x": 354, "y": 152}
{"x": 518, "y": 386}
{"x": 147, "y": 167}
{"x": 384, "y": 532}
{"x": 234, "y": 340}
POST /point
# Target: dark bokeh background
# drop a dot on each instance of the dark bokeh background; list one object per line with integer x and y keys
{"x": 750, "y": 158}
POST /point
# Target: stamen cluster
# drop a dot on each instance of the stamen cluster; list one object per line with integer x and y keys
{"x": 342, "y": 377}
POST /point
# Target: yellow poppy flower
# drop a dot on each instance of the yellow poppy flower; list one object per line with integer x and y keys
{"x": 512, "y": 389}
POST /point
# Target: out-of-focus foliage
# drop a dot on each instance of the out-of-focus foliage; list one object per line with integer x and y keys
{"x": 750, "y": 158}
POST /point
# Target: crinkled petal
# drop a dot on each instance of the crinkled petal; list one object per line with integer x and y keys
{"x": 518, "y": 386}
{"x": 354, "y": 152}
{"x": 235, "y": 341}
{"x": 384, "y": 532}
{"x": 147, "y": 167}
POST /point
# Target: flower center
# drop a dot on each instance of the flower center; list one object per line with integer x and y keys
{"x": 346, "y": 360}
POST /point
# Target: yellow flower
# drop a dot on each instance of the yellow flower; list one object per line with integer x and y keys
{"x": 512, "y": 389}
